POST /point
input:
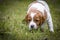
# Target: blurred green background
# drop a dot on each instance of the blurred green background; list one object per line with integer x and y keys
{"x": 12, "y": 12}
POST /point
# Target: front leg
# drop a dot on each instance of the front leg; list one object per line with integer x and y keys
{"x": 50, "y": 23}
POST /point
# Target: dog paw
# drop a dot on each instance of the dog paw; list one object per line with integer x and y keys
{"x": 52, "y": 31}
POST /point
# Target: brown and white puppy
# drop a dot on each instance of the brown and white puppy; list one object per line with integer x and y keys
{"x": 38, "y": 12}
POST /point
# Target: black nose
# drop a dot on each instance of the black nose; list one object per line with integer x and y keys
{"x": 32, "y": 26}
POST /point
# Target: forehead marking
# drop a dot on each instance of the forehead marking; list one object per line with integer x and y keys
{"x": 32, "y": 15}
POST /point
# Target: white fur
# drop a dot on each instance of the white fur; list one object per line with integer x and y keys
{"x": 32, "y": 22}
{"x": 38, "y": 6}
{"x": 41, "y": 8}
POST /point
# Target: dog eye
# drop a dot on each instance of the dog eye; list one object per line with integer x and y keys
{"x": 29, "y": 20}
{"x": 36, "y": 20}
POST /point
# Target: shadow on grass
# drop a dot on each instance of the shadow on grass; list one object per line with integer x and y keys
{"x": 7, "y": 36}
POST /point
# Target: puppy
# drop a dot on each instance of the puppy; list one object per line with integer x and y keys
{"x": 38, "y": 13}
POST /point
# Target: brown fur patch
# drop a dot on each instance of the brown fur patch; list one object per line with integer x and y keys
{"x": 39, "y": 18}
{"x": 28, "y": 18}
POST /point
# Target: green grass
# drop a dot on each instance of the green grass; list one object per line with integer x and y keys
{"x": 11, "y": 27}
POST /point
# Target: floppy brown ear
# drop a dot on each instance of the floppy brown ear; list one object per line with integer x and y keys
{"x": 44, "y": 17}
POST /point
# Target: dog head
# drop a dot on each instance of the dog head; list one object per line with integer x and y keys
{"x": 34, "y": 19}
